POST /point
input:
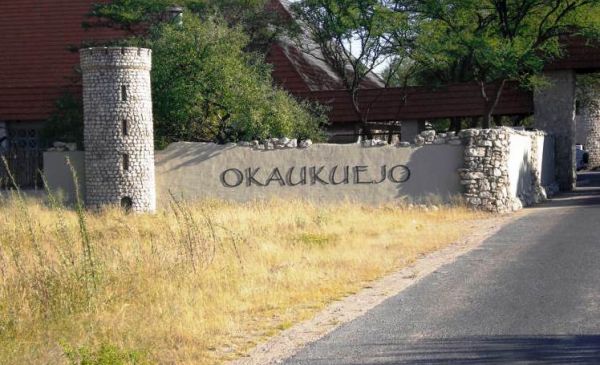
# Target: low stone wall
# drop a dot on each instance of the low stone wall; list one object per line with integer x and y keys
{"x": 498, "y": 170}
{"x": 506, "y": 169}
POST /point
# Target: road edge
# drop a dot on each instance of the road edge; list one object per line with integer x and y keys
{"x": 291, "y": 341}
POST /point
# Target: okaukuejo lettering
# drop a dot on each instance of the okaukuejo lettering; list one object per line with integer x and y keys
{"x": 314, "y": 175}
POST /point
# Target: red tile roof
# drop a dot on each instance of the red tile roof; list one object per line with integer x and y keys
{"x": 35, "y": 62}
{"x": 284, "y": 70}
{"x": 580, "y": 54}
{"x": 36, "y": 65}
{"x": 310, "y": 70}
{"x": 396, "y": 104}
{"x": 281, "y": 7}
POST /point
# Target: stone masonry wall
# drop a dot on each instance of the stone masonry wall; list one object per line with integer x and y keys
{"x": 486, "y": 174}
{"x": 590, "y": 116}
{"x": 118, "y": 131}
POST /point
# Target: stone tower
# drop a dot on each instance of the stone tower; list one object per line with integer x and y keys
{"x": 118, "y": 131}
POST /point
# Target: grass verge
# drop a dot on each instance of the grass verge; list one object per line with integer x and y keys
{"x": 195, "y": 284}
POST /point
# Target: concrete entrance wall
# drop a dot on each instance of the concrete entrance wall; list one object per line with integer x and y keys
{"x": 59, "y": 176}
{"x": 531, "y": 169}
{"x": 497, "y": 170}
{"x": 323, "y": 172}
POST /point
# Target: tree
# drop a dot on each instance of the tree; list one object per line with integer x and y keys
{"x": 137, "y": 17}
{"x": 355, "y": 37}
{"x": 206, "y": 87}
{"x": 66, "y": 123}
{"x": 207, "y": 83}
{"x": 494, "y": 41}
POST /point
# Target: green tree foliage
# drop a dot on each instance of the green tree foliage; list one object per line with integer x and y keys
{"x": 66, "y": 123}
{"x": 496, "y": 40}
{"x": 588, "y": 90}
{"x": 355, "y": 37}
{"x": 137, "y": 17}
{"x": 436, "y": 42}
{"x": 208, "y": 83}
{"x": 205, "y": 87}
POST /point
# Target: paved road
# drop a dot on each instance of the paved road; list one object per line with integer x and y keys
{"x": 529, "y": 294}
{"x": 587, "y": 180}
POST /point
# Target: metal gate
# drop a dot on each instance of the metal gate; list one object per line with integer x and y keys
{"x": 24, "y": 157}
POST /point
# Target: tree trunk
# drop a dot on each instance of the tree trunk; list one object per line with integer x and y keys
{"x": 365, "y": 128}
{"x": 491, "y": 104}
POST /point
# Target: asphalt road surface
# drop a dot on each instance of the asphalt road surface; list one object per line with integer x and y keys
{"x": 529, "y": 294}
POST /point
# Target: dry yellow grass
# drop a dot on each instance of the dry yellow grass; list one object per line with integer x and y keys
{"x": 196, "y": 284}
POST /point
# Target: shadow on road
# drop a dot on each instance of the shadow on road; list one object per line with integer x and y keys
{"x": 489, "y": 350}
{"x": 578, "y": 198}
{"x": 588, "y": 180}
{"x": 586, "y": 194}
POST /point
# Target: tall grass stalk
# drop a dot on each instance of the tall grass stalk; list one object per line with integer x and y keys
{"x": 63, "y": 234}
{"x": 86, "y": 242}
{"x": 26, "y": 219}
{"x": 199, "y": 250}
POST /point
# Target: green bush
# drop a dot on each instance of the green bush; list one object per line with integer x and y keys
{"x": 104, "y": 355}
{"x": 207, "y": 88}
{"x": 66, "y": 123}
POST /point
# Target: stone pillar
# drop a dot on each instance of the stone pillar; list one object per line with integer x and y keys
{"x": 485, "y": 175}
{"x": 118, "y": 131}
{"x": 503, "y": 169}
{"x": 590, "y": 118}
{"x": 555, "y": 114}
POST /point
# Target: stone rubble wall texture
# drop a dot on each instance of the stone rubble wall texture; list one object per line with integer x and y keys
{"x": 427, "y": 137}
{"x": 590, "y": 117}
{"x": 115, "y": 127}
{"x": 486, "y": 175}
